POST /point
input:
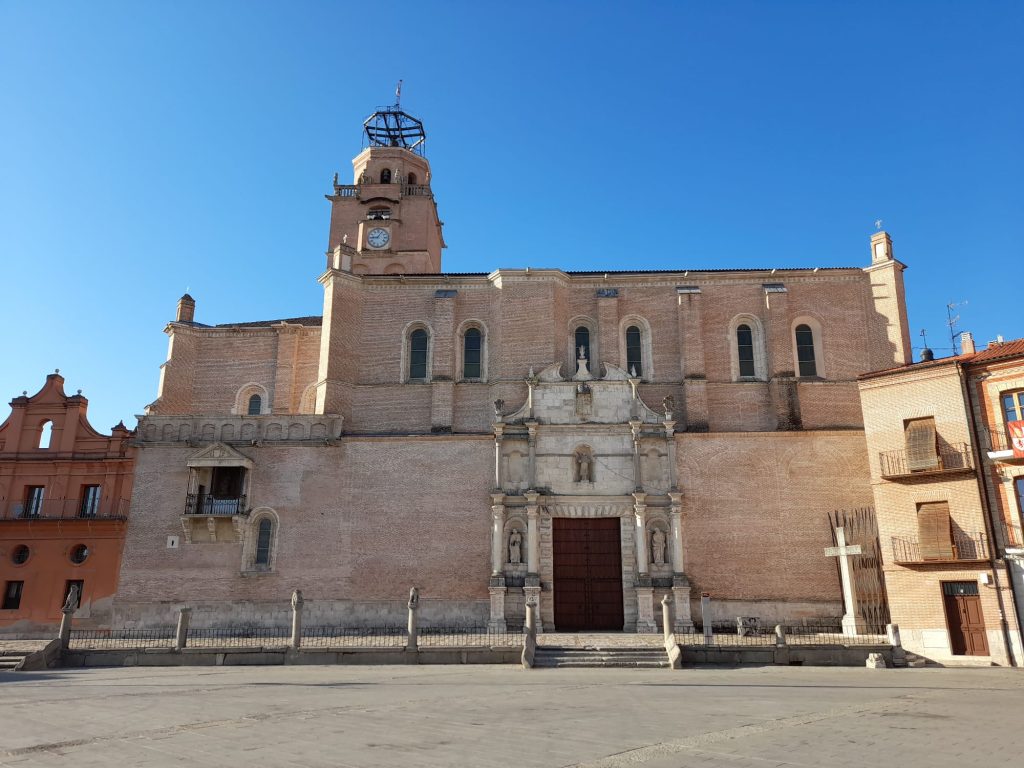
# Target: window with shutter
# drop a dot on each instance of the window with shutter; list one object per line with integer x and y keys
{"x": 919, "y": 435}
{"x": 934, "y": 531}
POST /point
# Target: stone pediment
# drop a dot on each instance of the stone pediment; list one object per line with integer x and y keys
{"x": 610, "y": 400}
{"x": 219, "y": 455}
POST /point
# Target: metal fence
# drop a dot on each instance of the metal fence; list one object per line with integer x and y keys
{"x": 280, "y": 637}
{"x": 802, "y": 633}
{"x": 110, "y": 639}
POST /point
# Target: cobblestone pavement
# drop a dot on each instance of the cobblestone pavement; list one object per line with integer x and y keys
{"x": 484, "y": 716}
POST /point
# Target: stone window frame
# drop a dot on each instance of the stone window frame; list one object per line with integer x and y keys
{"x": 646, "y": 346}
{"x": 45, "y": 435}
{"x": 241, "y": 407}
{"x": 819, "y": 354}
{"x": 251, "y": 539}
{"x": 760, "y": 354}
{"x": 584, "y": 321}
{"x": 407, "y": 352}
{"x": 460, "y": 350}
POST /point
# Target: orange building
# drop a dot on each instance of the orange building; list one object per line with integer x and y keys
{"x": 64, "y": 493}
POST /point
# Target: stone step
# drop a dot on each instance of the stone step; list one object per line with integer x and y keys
{"x": 601, "y": 657}
{"x": 610, "y": 664}
{"x": 10, "y": 661}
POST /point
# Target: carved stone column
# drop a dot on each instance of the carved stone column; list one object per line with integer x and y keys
{"x": 497, "y": 534}
{"x": 640, "y": 534}
{"x": 499, "y": 430}
{"x": 676, "y": 518}
{"x": 532, "y": 442}
{"x": 637, "y": 480}
{"x": 532, "y": 533}
{"x": 670, "y": 451}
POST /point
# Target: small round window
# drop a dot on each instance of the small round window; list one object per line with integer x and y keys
{"x": 79, "y": 554}
{"x": 20, "y": 554}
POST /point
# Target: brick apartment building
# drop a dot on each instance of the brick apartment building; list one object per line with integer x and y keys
{"x": 64, "y": 497}
{"x": 590, "y": 440}
{"x": 949, "y": 489}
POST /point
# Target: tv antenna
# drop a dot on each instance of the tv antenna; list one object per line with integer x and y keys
{"x": 952, "y": 321}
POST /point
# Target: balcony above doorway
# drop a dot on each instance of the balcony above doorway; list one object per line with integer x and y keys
{"x": 962, "y": 548}
{"x": 999, "y": 448}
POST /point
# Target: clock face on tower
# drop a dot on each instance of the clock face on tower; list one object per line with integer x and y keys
{"x": 378, "y": 238}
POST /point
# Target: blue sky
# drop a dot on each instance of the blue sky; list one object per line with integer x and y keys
{"x": 150, "y": 148}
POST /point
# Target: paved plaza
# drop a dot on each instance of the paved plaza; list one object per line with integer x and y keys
{"x": 504, "y": 716}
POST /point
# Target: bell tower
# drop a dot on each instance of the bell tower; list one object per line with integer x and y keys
{"x": 388, "y": 215}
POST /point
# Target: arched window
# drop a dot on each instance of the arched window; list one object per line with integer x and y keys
{"x": 264, "y": 537}
{"x": 634, "y": 351}
{"x": 805, "y": 358}
{"x": 745, "y": 350}
{"x": 418, "y": 355}
{"x": 385, "y": 176}
{"x": 472, "y": 347}
{"x": 582, "y": 337}
{"x": 255, "y": 405}
{"x": 410, "y": 179}
{"x": 46, "y": 434}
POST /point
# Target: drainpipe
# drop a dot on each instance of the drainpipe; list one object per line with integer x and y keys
{"x": 989, "y": 525}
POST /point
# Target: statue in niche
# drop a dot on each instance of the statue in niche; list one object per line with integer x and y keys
{"x": 658, "y": 547}
{"x": 584, "y": 464}
{"x": 515, "y": 547}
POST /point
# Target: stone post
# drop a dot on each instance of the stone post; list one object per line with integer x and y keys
{"x": 297, "y": 603}
{"x": 705, "y": 617}
{"x": 531, "y": 620}
{"x": 666, "y": 618}
{"x": 68, "y": 612}
{"x": 892, "y": 634}
{"x": 181, "y": 632}
{"x": 531, "y": 593}
{"x": 412, "y": 643}
{"x": 780, "y": 635}
{"x": 497, "y": 534}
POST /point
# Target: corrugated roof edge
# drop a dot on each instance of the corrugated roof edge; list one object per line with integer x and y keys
{"x": 312, "y": 320}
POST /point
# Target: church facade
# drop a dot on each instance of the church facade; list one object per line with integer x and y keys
{"x": 589, "y": 441}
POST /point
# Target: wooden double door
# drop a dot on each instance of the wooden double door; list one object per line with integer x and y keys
{"x": 588, "y": 574}
{"x": 964, "y": 618}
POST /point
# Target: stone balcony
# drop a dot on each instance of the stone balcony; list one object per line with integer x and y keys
{"x": 303, "y": 429}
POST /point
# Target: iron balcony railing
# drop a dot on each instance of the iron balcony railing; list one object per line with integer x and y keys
{"x": 955, "y": 457}
{"x": 998, "y": 439}
{"x": 65, "y": 509}
{"x": 1013, "y": 536}
{"x": 964, "y": 547}
{"x": 203, "y": 504}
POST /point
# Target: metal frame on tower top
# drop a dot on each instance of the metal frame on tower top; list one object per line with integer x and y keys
{"x": 391, "y": 127}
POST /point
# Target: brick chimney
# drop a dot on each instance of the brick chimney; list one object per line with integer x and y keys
{"x": 186, "y": 309}
{"x": 967, "y": 343}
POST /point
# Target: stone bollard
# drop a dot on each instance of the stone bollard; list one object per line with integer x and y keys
{"x": 666, "y": 618}
{"x": 531, "y": 620}
{"x": 297, "y": 603}
{"x": 892, "y": 634}
{"x": 181, "y": 633}
{"x": 68, "y": 612}
{"x": 875, "y": 661}
{"x": 414, "y": 603}
{"x": 705, "y": 617}
{"x": 780, "y": 635}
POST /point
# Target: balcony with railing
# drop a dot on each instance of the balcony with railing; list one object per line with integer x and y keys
{"x": 949, "y": 458}
{"x": 346, "y": 190}
{"x": 1013, "y": 535}
{"x": 999, "y": 446}
{"x": 206, "y": 505}
{"x": 961, "y": 548}
{"x": 64, "y": 509}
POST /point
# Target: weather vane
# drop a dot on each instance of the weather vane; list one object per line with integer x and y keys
{"x": 878, "y": 223}
{"x": 398, "y": 94}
